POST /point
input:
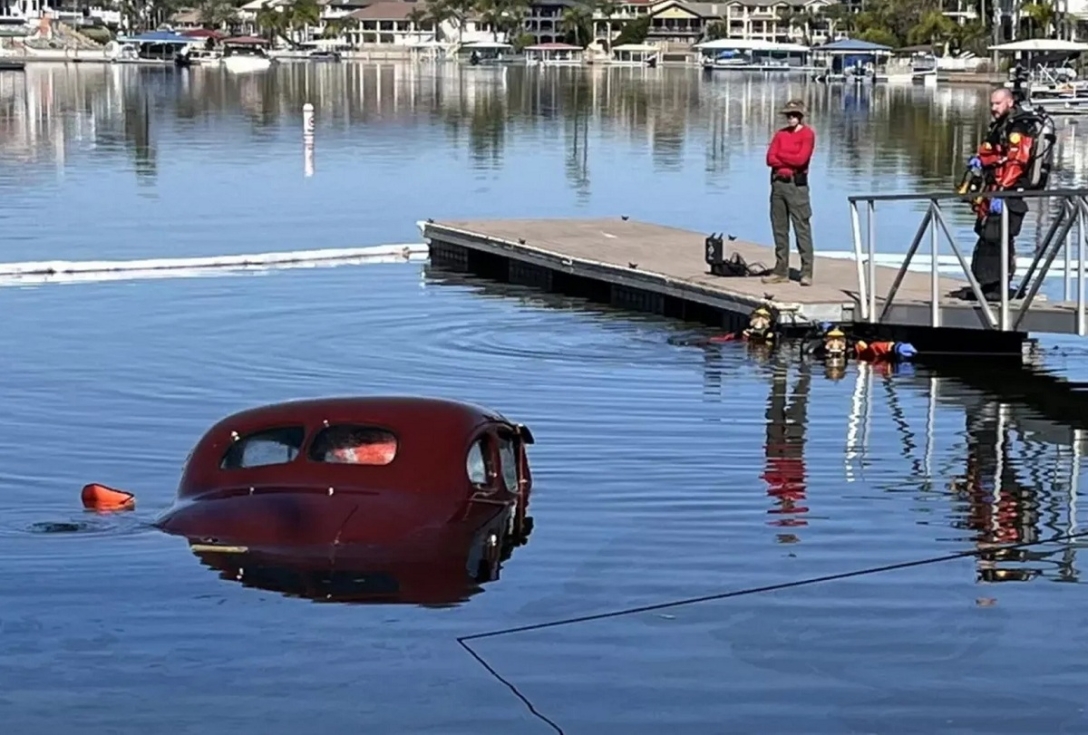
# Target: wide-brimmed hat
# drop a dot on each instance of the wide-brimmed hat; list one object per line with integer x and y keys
{"x": 794, "y": 107}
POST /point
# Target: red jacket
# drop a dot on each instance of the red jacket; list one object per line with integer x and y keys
{"x": 791, "y": 150}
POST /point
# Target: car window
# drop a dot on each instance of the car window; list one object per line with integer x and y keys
{"x": 508, "y": 458}
{"x": 265, "y": 447}
{"x": 478, "y": 461}
{"x": 354, "y": 444}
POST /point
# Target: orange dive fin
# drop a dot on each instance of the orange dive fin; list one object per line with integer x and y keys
{"x": 100, "y": 497}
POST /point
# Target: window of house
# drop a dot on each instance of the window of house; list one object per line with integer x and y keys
{"x": 354, "y": 444}
{"x": 266, "y": 447}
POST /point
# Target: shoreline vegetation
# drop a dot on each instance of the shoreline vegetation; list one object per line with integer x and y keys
{"x": 946, "y": 27}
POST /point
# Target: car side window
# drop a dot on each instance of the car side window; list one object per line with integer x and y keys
{"x": 266, "y": 447}
{"x": 508, "y": 457}
{"x": 477, "y": 462}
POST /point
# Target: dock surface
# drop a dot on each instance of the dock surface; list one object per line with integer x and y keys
{"x": 670, "y": 262}
{"x": 674, "y": 256}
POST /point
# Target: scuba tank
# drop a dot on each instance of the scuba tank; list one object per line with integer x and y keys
{"x": 1042, "y": 156}
{"x": 1043, "y": 132}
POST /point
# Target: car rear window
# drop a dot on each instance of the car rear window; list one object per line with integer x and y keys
{"x": 354, "y": 444}
{"x": 265, "y": 447}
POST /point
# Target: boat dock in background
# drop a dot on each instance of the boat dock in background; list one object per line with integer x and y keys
{"x": 665, "y": 270}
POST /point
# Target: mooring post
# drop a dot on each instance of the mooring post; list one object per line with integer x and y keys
{"x": 308, "y": 139}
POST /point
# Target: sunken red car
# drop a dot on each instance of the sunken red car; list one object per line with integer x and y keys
{"x": 372, "y": 498}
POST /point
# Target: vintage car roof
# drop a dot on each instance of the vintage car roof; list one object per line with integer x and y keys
{"x": 393, "y": 410}
{"x": 433, "y": 437}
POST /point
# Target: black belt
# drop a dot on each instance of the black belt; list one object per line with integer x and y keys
{"x": 799, "y": 179}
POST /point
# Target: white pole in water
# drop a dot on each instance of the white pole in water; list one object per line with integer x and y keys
{"x": 307, "y": 120}
{"x": 308, "y": 139}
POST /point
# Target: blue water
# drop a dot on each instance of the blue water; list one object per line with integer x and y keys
{"x": 654, "y": 465}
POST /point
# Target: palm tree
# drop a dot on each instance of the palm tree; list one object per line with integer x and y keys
{"x": 339, "y": 27}
{"x": 434, "y": 13}
{"x": 459, "y": 10}
{"x": 217, "y": 13}
{"x": 576, "y": 19}
{"x": 1041, "y": 15}
{"x": 608, "y": 9}
{"x": 303, "y": 15}
{"x": 273, "y": 23}
{"x": 493, "y": 13}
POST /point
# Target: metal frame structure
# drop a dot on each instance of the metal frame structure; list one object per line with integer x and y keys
{"x": 1073, "y": 209}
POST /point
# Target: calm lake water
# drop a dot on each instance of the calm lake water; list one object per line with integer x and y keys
{"x": 660, "y": 471}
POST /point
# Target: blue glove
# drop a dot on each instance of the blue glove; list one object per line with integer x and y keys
{"x": 905, "y": 350}
{"x": 996, "y": 205}
{"x": 974, "y": 162}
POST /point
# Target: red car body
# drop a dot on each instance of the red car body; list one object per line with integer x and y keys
{"x": 400, "y": 499}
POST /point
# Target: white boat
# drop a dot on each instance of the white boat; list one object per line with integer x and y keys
{"x": 486, "y": 53}
{"x": 554, "y": 54}
{"x": 1053, "y": 85}
{"x": 919, "y": 67}
{"x": 635, "y": 54}
{"x": 199, "y": 57}
{"x": 320, "y": 50}
{"x": 734, "y": 54}
{"x": 240, "y": 60}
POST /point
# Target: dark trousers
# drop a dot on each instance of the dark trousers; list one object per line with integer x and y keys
{"x": 986, "y": 260}
{"x": 791, "y": 203}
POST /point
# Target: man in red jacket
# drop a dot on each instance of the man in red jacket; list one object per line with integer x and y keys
{"x": 788, "y": 157}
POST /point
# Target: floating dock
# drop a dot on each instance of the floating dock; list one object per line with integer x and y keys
{"x": 663, "y": 270}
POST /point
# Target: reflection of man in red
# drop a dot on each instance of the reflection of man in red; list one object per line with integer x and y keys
{"x": 1000, "y": 509}
{"x": 784, "y": 471}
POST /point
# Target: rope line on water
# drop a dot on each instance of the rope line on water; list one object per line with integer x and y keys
{"x": 463, "y": 641}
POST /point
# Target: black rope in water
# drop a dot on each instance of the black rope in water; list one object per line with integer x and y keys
{"x": 463, "y": 640}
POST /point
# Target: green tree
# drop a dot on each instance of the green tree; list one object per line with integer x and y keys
{"x": 636, "y": 31}
{"x": 1041, "y": 15}
{"x": 217, "y": 13}
{"x": 507, "y": 16}
{"x": 431, "y": 15}
{"x": 577, "y": 22}
{"x": 607, "y": 9}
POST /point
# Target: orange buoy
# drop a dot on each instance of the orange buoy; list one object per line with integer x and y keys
{"x": 100, "y": 497}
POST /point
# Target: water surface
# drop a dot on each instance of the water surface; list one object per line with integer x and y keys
{"x": 660, "y": 471}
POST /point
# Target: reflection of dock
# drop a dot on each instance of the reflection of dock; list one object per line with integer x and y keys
{"x": 999, "y": 451}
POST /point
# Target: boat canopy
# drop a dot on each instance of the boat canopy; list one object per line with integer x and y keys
{"x": 245, "y": 41}
{"x": 554, "y": 47}
{"x": 853, "y": 46}
{"x": 486, "y": 44}
{"x": 1041, "y": 45}
{"x": 165, "y": 37}
{"x": 744, "y": 44}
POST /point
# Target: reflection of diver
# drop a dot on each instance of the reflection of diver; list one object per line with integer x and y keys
{"x": 1001, "y": 509}
{"x": 784, "y": 471}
